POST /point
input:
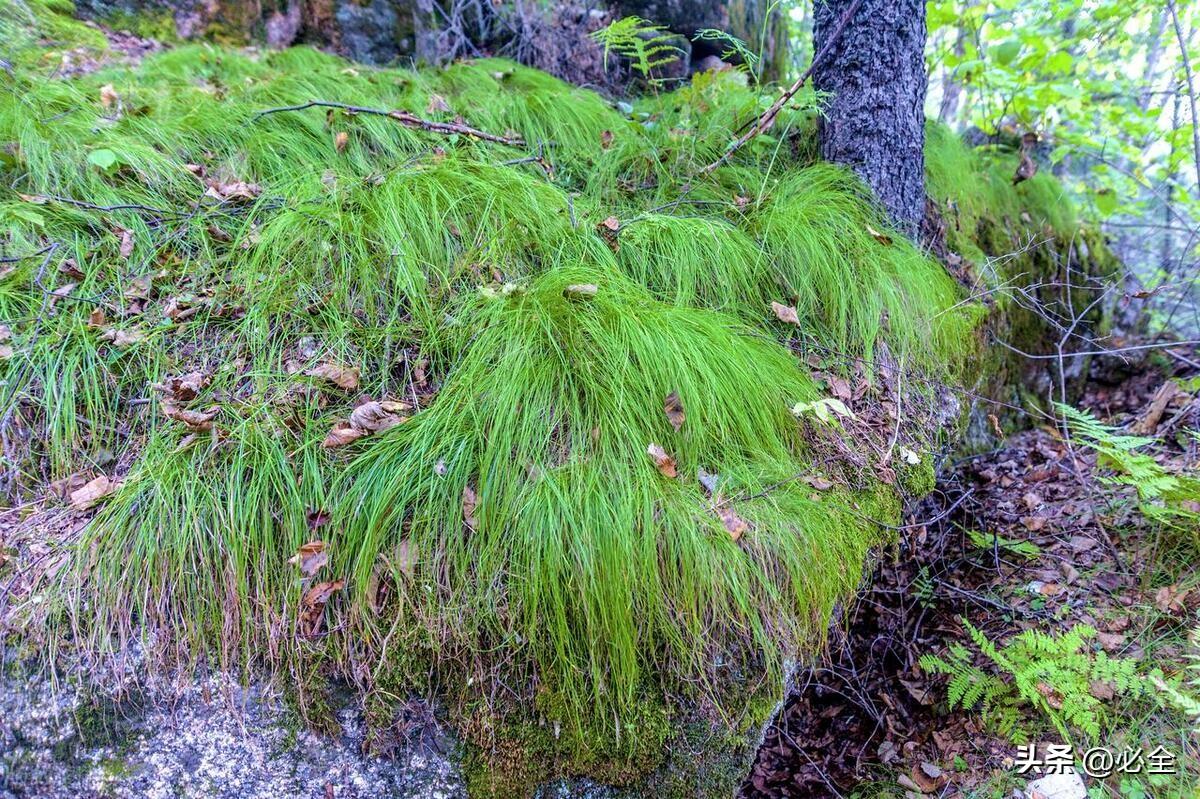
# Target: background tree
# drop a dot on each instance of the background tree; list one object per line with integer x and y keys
{"x": 874, "y": 120}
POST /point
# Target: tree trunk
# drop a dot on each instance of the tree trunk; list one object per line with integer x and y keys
{"x": 952, "y": 89}
{"x": 875, "y": 120}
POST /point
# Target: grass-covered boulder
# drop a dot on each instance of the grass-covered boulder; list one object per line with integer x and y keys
{"x": 541, "y": 427}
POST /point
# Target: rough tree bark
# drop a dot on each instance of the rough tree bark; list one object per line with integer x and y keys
{"x": 875, "y": 120}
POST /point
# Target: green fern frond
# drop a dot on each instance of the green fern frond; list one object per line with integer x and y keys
{"x": 646, "y": 45}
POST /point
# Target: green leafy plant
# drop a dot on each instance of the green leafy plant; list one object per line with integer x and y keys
{"x": 645, "y": 44}
{"x": 735, "y": 48}
{"x": 1058, "y": 675}
{"x": 1163, "y": 496}
{"x": 1026, "y": 549}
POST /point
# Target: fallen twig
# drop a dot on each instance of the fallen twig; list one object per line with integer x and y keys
{"x": 406, "y": 118}
{"x": 767, "y": 119}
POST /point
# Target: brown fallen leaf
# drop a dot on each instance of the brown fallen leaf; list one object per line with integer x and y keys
{"x": 62, "y": 291}
{"x": 108, "y": 97}
{"x": 606, "y": 139}
{"x": 62, "y": 488}
{"x": 139, "y": 288}
{"x": 318, "y": 518}
{"x": 310, "y": 557}
{"x": 185, "y": 387}
{"x": 122, "y": 338}
{"x": 312, "y": 606}
{"x": 126, "y": 238}
{"x": 97, "y": 319}
{"x": 437, "y": 103}
{"x": 469, "y": 503}
{"x": 817, "y": 482}
{"x": 343, "y": 433}
{"x": 232, "y": 191}
{"x": 608, "y": 230}
{"x": 340, "y": 139}
{"x": 662, "y": 461}
{"x": 1102, "y": 690}
{"x": 882, "y": 238}
{"x": 344, "y": 377}
{"x": 377, "y": 415}
{"x": 735, "y": 525}
{"x": 785, "y": 313}
{"x": 71, "y": 269}
{"x": 6, "y": 352}
{"x": 673, "y": 407}
{"x": 200, "y": 421}
{"x": 92, "y": 492}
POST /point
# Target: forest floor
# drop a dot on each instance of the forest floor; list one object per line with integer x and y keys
{"x": 1065, "y": 550}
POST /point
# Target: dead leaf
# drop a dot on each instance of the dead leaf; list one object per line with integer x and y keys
{"x": 1034, "y": 523}
{"x": 882, "y": 238}
{"x": 199, "y": 421}
{"x": 313, "y": 606}
{"x": 818, "y": 482}
{"x": 185, "y": 387}
{"x": 673, "y": 407}
{"x": 1169, "y": 599}
{"x": 310, "y": 557}
{"x": 342, "y": 434}
{"x": 406, "y": 559}
{"x": 608, "y": 230}
{"x": 469, "y": 502}
{"x": 581, "y": 290}
{"x": 62, "y": 291}
{"x": 108, "y": 97}
{"x": 374, "y": 416}
{"x": 6, "y": 352}
{"x": 232, "y": 191}
{"x": 735, "y": 525}
{"x": 92, "y": 492}
{"x": 63, "y": 488}
{"x": 97, "y": 319}
{"x": 662, "y": 461}
{"x": 122, "y": 338}
{"x": 126, "y": 248}
{"x": 437, "y": 103}
{"x": 318, "y": 518}
{"x": 839, "y": 387}
{"x": 1102, "y": 690}
{"x": 139, "y": 287}
{"x": 785, "y": 313}
{"x": 71, "y": 269}
{"x": 606, "y": 139}
{"x": 344, "y": 377}
{"x": 340, "y": 139}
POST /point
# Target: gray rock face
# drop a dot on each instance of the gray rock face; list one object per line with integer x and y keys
{"x": 209, "y": 738}
{"x": 369, "y": 32}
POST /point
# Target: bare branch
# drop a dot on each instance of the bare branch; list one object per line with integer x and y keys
{"x": 406, "y": 118}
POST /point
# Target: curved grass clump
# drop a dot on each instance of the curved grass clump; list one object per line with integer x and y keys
{"x": 520, "y": 514}
{"x": 973, "y": 189}
{"x": 191, "y": 553}
{"x": 698, "y": 262}
{"x": 853, "y": 283}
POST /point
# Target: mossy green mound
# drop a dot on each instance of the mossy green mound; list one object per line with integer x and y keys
{"x": 547, "y": 312}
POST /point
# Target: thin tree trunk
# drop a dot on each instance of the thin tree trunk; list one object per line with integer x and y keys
{"x": 1154, "y": 51}
{"x": 952, "y": 89}
{"x": 875, "y": 121}
{"x": 1191, "y": 84}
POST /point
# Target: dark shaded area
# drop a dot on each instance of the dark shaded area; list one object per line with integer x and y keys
{"x": 866, "y": 711}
